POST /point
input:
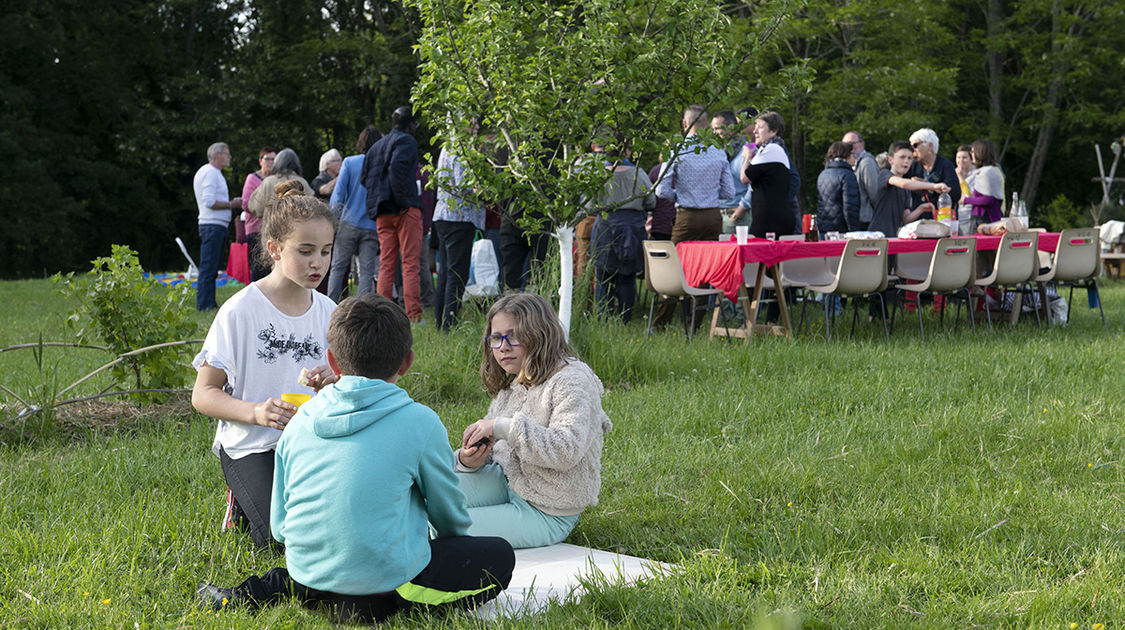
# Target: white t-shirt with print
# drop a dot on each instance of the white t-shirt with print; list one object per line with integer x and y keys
{"x": 262, "y": 351}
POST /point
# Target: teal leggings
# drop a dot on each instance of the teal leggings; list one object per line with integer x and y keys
{"x": 497, "y": 510}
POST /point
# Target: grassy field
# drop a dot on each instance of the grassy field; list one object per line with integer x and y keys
{"x": 973, "y": 480}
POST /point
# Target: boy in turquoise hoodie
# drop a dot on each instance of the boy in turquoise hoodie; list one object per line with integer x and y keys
{"x": 361, "y": 473}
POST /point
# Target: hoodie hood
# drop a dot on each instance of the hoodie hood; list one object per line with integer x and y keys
{"x": 352, "y": 404}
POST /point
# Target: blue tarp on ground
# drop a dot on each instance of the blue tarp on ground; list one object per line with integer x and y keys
{"x": 175, "y": 279}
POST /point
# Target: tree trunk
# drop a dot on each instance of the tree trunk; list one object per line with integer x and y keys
{"x": 565, "y": 236}
{"x": 994, "y": 18}
{"x": 1059, "y": 67}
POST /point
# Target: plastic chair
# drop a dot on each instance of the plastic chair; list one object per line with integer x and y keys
{"x": 951, "y": 269}
{"x": 913, "y": 266}
{"x": 1017, "y": 264}
{"x": 1076, "y": 263}
{"x": 664, "y": 274}
{"x": 798, "y": 273}
{"x": 862, "y": 271}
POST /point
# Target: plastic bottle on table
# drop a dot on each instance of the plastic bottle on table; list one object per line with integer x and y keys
{"x": 945, "y": 209}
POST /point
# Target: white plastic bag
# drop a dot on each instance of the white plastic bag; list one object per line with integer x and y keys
{"x": 924, "y": 228}
{"x": 484, "y": 272}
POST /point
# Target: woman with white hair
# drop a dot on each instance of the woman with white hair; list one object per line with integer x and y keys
{"x": 325, "y": 182}
{"x": 930, "y": 167}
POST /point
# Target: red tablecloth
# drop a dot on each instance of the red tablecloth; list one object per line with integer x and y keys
{"x": 720, "y": 263}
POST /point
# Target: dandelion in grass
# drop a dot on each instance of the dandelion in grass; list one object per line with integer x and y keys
{"x": 1073, "y": 625}
{"x": 1097, "y": 626}
{"x": 790, "y": 504}
{"x": 105, "y": 602}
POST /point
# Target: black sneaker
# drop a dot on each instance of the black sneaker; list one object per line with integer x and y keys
{"x": 214, "y": 597}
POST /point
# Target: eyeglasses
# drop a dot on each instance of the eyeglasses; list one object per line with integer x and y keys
{"x": 917, "y": 144}
{"x": 497, "y": 341}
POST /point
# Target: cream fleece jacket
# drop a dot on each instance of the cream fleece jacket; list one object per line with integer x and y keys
{"x": 549, "y": 439}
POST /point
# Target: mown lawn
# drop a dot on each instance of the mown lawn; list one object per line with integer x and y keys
{"x": 973, "y": 480}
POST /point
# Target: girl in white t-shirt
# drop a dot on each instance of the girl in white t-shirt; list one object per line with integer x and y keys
{"x": 254, "y": 352}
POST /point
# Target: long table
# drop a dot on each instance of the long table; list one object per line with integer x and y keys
{"x": 720, "y": 264}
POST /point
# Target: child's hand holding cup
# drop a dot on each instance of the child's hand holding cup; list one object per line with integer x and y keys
{"x": 296, "y": 399}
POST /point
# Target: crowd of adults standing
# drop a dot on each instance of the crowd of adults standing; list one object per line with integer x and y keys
{"x": 391, "y": 223}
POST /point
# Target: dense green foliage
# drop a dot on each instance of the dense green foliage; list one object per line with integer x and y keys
{"x": 1045, "y": 80}
{"x": 972, "y": 480}
{"x": 106, "y": 109}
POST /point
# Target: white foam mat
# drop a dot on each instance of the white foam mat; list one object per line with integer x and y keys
{"x": 551, "y": 574}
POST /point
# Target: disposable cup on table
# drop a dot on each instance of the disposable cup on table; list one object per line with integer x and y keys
{"x": 296, "y": 399}
{"x": 742, "y": 234}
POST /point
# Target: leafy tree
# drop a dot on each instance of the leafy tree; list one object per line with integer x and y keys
{"x": 548, "y": 76}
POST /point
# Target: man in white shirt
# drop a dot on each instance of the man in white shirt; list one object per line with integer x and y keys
{"x": 215, "y": 206}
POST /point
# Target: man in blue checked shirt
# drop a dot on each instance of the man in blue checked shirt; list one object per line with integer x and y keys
{"x": 703, "y": 184}
{"x": 703, "y": 180}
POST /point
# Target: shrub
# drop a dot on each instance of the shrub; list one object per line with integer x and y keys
{"x": 1061, "y": 214}
{"x": 121, "y": 308}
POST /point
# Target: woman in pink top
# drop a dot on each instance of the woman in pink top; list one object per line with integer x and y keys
{"x": 254, "y": 224}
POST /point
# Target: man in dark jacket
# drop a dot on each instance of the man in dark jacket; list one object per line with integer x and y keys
{"x": 394, "y": 201}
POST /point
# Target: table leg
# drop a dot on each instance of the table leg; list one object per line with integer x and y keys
{"x": 783, "y": 308}
{"x": 755, "y": 303}
{"x": 715, "y": 319}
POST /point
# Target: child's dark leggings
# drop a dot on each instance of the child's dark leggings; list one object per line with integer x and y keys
{"x": 463, "y": 571}
{"x": 250, "y": 480}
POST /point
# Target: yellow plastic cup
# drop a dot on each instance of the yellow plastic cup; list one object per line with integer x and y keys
{"x": 296, "y": 399}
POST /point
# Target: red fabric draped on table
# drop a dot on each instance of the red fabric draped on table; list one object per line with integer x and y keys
{"x": 720, "y": 263}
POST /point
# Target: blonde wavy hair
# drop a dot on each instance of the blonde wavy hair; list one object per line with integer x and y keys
{"x": 293, "y": 205}
{"x": 539, "y": 333}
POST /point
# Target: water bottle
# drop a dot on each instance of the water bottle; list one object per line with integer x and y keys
{"x": 945, "y": 209}
{"x": 1015, "y": 204}
{"x": 1020, "y": 213}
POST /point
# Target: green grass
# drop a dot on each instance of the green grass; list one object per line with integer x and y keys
{"x": 968, "y": 481}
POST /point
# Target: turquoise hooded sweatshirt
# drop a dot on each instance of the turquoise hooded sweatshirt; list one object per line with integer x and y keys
{"x": 360, "y": 472}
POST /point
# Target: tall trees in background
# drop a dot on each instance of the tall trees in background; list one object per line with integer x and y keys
{"x": 106, "y": 108}
{"x": 1043, "y": 79}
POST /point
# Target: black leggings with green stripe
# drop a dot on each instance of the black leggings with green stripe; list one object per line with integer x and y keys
{"x": 463, "y": 571}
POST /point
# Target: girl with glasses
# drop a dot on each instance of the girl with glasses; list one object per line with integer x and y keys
{"x": 533, "y": 463}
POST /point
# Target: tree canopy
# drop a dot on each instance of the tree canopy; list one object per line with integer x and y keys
{"x": 108, "y": 108}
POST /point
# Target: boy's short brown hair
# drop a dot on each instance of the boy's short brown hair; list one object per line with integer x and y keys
{"x": 370, "y": 336}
